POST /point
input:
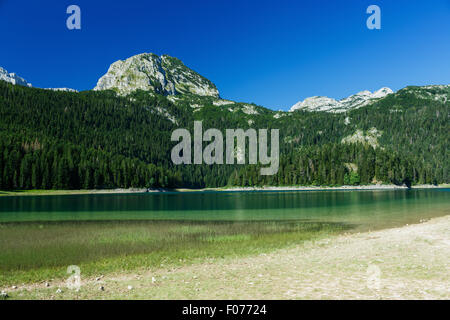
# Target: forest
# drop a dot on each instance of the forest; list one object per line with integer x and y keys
{"x": 98, "y": 140}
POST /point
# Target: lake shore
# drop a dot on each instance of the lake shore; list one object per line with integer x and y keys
{"x": 236, "y": 189}
{"x": 317, "y": 188}
{"x": 409, "y": 262}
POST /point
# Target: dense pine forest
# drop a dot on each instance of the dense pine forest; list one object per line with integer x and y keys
{"x": 87, "y": 140}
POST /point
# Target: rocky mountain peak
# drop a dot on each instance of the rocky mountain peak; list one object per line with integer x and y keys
{"x": 150, "y": 72}
{"x": 13, "y": 78}
{"x": 355, "y": 101}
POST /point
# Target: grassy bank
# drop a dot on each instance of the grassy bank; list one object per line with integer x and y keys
{"x": 33, "y": 252}
{"x": 39, "y": 192}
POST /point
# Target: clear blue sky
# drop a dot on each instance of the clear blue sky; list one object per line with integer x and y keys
{"x": 273, "y": 53}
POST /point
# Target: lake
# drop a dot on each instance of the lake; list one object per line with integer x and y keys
{"x": 363, "y": 209}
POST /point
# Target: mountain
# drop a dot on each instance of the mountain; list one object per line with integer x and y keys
{"x": 121, "y": 138}
{"x": 13, "y": 78}
{"x": 164, "y": 75}
{"x": 355, "y": 101}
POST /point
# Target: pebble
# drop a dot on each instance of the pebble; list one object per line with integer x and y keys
{"x": 101, "y": 288}
{"x": 14, "y": 287}
{"x": 58, "y": 291}
{"x": 47, "y": 284}
{"x": 153, "y": 280}
{"x": 130, "y": 287}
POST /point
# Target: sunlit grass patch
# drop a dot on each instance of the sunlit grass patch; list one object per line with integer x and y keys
{"x": 228, "y": 238}
{"x": 39, "y": 251}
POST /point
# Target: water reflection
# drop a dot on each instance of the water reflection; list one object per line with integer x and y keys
{"x": 366, "y": 208}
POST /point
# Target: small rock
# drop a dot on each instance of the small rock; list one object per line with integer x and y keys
{"x": 4, "y": 294}
{"x": 130, "y": 287}
{"x": 153, "y": 280}
{"x": 47, "y": 284}
{"x": 59, "y": 290}
{"x": 101, "y": 288}
{"x": 97, "y": 279}
{"x": 14, "y": 287}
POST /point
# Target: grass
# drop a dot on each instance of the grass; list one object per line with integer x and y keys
{"x": 333, "y": 267}
{"x": 36, "y": 251}
{"x": 36, "y": 192}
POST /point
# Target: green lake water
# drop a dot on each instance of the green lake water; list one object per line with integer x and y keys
{"x": 368, "y": 209}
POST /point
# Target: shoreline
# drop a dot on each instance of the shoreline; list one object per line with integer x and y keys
{"x": 407, "y": 262}
{"x": 317, "y": 188}
{"x": 233, "y": 189}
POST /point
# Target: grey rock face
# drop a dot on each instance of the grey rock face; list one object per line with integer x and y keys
{"x": 149, "y": 72}
{"x": 331, "y": 105}
{"x": 13, "y": 78}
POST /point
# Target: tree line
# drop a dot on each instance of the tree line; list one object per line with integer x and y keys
{"x": 87, "y": 140}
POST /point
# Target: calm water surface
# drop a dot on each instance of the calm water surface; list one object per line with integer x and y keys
{"x": 372, "y": 209}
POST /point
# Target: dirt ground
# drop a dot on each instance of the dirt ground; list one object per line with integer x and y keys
{"x": 411, "y": 262}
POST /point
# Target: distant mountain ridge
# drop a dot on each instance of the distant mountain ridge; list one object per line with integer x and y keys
{"x": 13, "y": 78}
{"x": 168, "y": 76}
{"x": 363, "y": 98}
{"x": 16, "y": 80}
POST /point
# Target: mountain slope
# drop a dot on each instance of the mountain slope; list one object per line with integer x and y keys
{"x": 101, "y": 139}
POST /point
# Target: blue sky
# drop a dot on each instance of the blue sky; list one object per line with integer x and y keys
{"x": 273, "y": 53}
